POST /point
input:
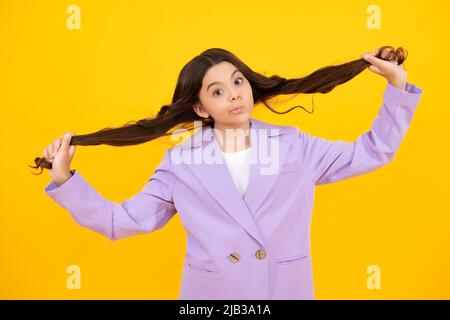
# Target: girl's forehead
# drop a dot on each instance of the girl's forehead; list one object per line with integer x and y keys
{"x": 223, "y": 68}
{"x": 218, "y": 74}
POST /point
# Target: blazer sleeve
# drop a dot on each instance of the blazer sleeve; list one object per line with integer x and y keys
{"x": 147, "y": 211}
{"x": 330, "y": 161}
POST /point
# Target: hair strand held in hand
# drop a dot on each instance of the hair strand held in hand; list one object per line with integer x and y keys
{"x": 180, "y": 113}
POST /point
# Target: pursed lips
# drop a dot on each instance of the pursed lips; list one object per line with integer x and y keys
{"x": 237, "y": 107}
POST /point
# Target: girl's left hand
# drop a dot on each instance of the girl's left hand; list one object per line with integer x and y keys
{"x": 394, "y": 73}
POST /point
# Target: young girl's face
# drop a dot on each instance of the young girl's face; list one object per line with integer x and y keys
{"x": 224, "y": 88}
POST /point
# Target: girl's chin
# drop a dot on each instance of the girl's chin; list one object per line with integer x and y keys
{"x": 239, "y": 118}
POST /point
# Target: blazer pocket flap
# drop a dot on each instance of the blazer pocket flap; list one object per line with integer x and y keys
{"x": 200, "y": 269}
{"x": 292, "y": 259}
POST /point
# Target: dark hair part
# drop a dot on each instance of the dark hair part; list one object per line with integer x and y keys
{"x": 180, "y": 113}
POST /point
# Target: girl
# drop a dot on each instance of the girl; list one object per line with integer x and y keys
{"x": 245, "y": 203}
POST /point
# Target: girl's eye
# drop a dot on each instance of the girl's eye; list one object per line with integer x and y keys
{"x": 214, "y": 93}
{"x": 240, "y": 78}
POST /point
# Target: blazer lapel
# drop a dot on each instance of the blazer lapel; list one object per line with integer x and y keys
{"x": 215, "y": 176}
{"x": 267, "y": 159}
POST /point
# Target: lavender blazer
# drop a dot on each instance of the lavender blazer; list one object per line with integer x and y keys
{"x": 251, "y": 247}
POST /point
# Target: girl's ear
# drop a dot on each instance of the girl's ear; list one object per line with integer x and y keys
{"x": 198, "y": 108}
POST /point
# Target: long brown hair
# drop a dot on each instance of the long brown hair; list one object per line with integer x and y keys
{"x": 180, "y": 113}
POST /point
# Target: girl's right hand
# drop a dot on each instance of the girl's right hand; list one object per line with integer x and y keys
{"x": 60, "y": 154}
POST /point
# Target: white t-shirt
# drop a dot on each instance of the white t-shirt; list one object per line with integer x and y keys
{"x": 239, "y": 166}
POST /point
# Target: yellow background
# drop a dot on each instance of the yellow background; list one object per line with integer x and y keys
{"x": 123, "y": 65}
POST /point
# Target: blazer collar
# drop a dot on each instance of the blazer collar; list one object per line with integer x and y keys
{"x": 206, "y": 134}
{"x": 217, "y": 180}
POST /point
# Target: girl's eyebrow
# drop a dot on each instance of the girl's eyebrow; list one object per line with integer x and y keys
{"x": 221, "y": 82}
